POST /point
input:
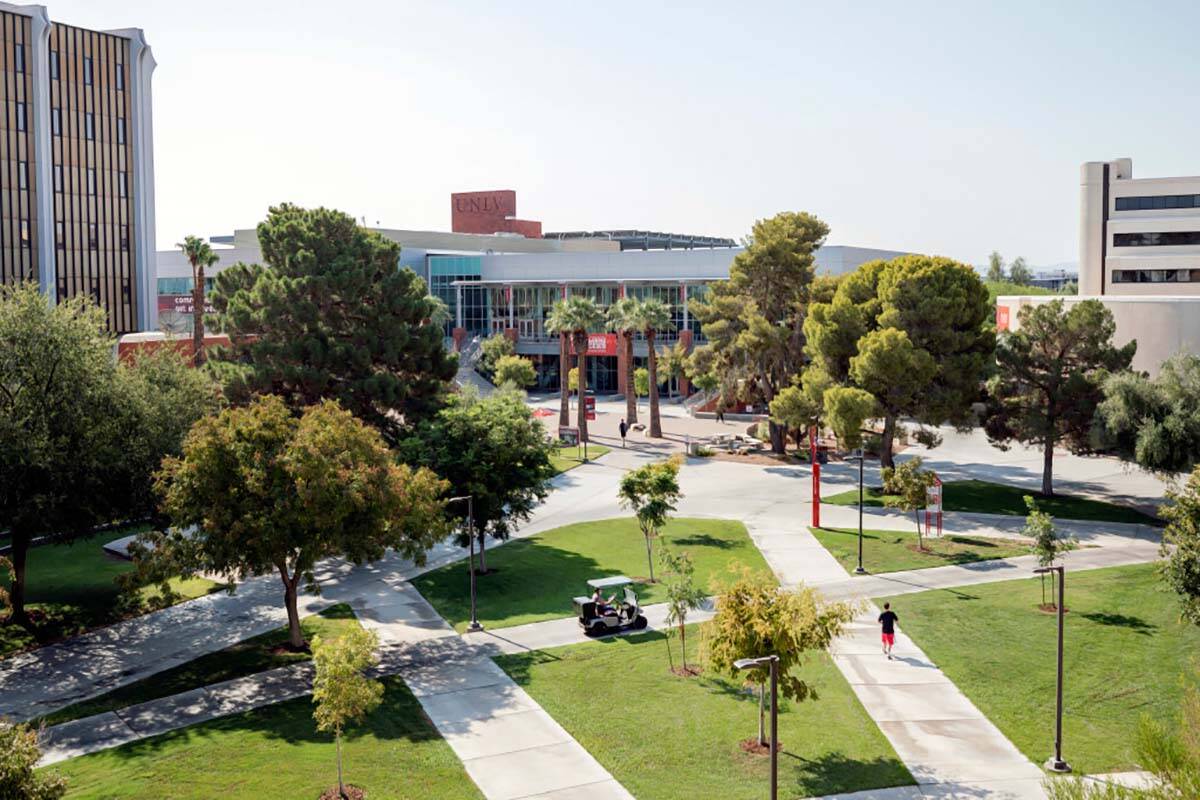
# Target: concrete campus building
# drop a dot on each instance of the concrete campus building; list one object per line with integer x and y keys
{"x": 77, "y": 164}
{"x": 506, "y": 282}
{"x": 1139, "y": 253}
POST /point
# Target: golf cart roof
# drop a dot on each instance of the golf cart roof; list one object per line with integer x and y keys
{"x": 606, "y": 583}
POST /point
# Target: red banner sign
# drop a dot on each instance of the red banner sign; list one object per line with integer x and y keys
{"x": 589, "y": 407}
{"x": 181, "y": 304}
{"x": 1001, "y": 318}
{"x": 599, "y": 344}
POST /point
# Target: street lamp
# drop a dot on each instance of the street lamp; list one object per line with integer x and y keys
{"x": 859, "y": 456}
{"x": 473, "y": 625}
{"x": 773, "y": 663}
{"x": 1056, "y": 763}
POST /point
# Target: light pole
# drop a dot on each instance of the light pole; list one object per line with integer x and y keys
{"x": 1056, "y": 763}
{"x": 860, "y": 456}
{"x": 773, "y": 663}
{"x": 473, "y": 625}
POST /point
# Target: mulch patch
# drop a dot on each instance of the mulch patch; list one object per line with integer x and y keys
{"x": 752, "y": 746}
{"x": 686, "y": 672}
{"x": 288, "y": 650}
{"x": 1051, "y": 608}
{"x": 352, "y": 792}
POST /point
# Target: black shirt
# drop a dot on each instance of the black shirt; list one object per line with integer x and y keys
{"x": 888, "y": 618}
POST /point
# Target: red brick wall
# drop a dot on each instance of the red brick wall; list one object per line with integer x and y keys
{"x": 490, "y": 212}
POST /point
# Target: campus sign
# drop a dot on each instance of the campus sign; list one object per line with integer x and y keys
{"x": 181, "y": 304}
{"x": 599, "y": 344}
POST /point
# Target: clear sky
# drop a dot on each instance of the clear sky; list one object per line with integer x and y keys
{"x": 949, "y": 128}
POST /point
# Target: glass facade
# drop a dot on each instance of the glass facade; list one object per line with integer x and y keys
{"x": 1155, "y": 202}
{"x": 181, "y": 285}
{"x": 1159, "y": 239}
{"x": 443, "y": 271}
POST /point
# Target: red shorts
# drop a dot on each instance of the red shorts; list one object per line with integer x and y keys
{"x": 889, "y": 639}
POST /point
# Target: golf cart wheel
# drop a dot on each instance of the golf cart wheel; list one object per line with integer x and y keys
{"x": 639, "y": 623}
{"x": 598, "y": 628}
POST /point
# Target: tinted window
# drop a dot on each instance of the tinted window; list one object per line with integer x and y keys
{"x": 1156, "y": 239}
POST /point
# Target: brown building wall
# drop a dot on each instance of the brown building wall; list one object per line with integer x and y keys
{"x": 18, "y": 197}
{"x": 490, "y": 212}
{"x": 91, "y": 146}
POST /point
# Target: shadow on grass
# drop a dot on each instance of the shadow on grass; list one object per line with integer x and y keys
{"x": 829, "y": 773}
{"x": 1136, "y": 624}
{"x": 700, "y": 540}
{"x": 399, "y": 717}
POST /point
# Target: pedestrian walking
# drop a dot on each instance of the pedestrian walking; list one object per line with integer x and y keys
{"x": 888, "y": 621}
{"x": 623, "y": 428}
{"x": 721, "y": 414}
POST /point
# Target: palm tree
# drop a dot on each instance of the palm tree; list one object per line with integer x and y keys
{"x": 200, "y": 255}
{"x": 578, "y": 316}
{"x": 439, "y": 312}
{"x": 557, "y": 322}
{"x": 622, "y": 318}
{"x": 654, "y": 315}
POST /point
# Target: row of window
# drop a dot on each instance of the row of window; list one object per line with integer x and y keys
{"x": 1156, "y": 239}
{"x": 1156, "y": 276}
{"x": 87, "y": 68}
{"x": 89, "y": 123}
{"x": 1156, "y": 202}
{"x": 60, "y": 236}
{"x": 23, "y": 179}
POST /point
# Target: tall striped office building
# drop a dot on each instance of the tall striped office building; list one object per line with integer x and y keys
{"x": 77, "y": 164}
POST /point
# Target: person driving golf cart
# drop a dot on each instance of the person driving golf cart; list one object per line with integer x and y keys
{"x": 598, "y": 615}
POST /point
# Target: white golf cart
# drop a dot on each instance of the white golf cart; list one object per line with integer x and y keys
{"x": 623, "y": 613}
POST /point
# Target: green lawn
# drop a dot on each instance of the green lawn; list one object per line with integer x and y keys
{"x": 665, "y": 737}
{"x": 534, "y": 579}
{"x": 275, "y": 753}
{"x": 891, "y": 551}
{"x": 1126, "y": 653}
{"x": 984, "y": 497}
{"x": 565, "y": 458}
{"x": 74, "y": 587}
{"x": 244, "y": 658}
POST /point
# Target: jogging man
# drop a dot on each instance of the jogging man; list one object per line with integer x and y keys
{"x": 888, "y": 620}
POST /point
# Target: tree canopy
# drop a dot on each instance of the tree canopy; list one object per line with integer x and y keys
{"x": 1181, "y": 545}
{"x": 259, "y": 489}
{"x": 515, "y": 371}
{"x": 754, "y": 321}
{"x": 331, "y": 316}
{"x": 651, "y": 492}
{"x": 1155, "y": 422}
{"x": 490, "y": 448}
{"x": 1051, "y": 373}
{"x": 342, "y": 693}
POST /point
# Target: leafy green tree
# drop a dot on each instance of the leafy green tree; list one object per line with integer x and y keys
{"x": 1181, "y": 545}
{"x": 200, "y": 256}
{"x": 757, "y": 618}
{"x": 331, "y": 316}
{"x": 1047, "y": 545}
{"x": 1170, "y": 753}
{"x": 494, "y": 348}
{"x": 1019, "y": 273}
{"x": 59, "y": 441}
{"x": 905, "y": 487}
{"x": 683, "y": 595}
{"x": 266, "y": 491}
{"x": 846, "y": 410}
{"x": 573, "y": 379}
{"x": 914, "y": 332}
{"x": 577, "y": 316}
{"x": 995, "y": 270}
{"x": 794, "y": 409}
{"x": 1051, "y": 374}
{"x": 19, "y": 754}
{"x": 342, "y": 692}
{"x": 651, "y": 492}
{"x": 515, "y": 371}
{"x": 623, "y": 320}
{"x": 439, "y": 312}
{"x": 641, "y": 382}
{"x": 492, "y": 449}
{"x": 653, "y": 316}
{"x": 1155, "y": 422}
{"x": 754, "y": 322}
{"x": 673, "y": 362}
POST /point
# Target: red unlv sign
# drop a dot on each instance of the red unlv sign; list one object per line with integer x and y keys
{"x": 599, "y": 344}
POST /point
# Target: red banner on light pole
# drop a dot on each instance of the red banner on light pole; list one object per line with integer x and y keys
{"x": 816, "y": 476}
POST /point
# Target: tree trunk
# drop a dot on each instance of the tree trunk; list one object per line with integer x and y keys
{"x": 482, "y": 553}
{"x": 631, "y": 405}
{"x": 683, "y": 645}
{"x": 564, "y": 368}
{"x": 341, "y": 786}
{"x": 885, "y": 444}
{"x": 778, "y": 440}
{"x": 581, "y": 412}
{"x": 670, "y": 655}
{"x": 762, "y": 739}
{"x": 649, "y": 557}
{"x": 16, "y": 595}
{"x": 920, "y": 543}
{"x": 1048, "y": 467}
{"x": 295, "y": 635}
{"x": 198, "y": 315}
{"x": 652, "y": 368}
